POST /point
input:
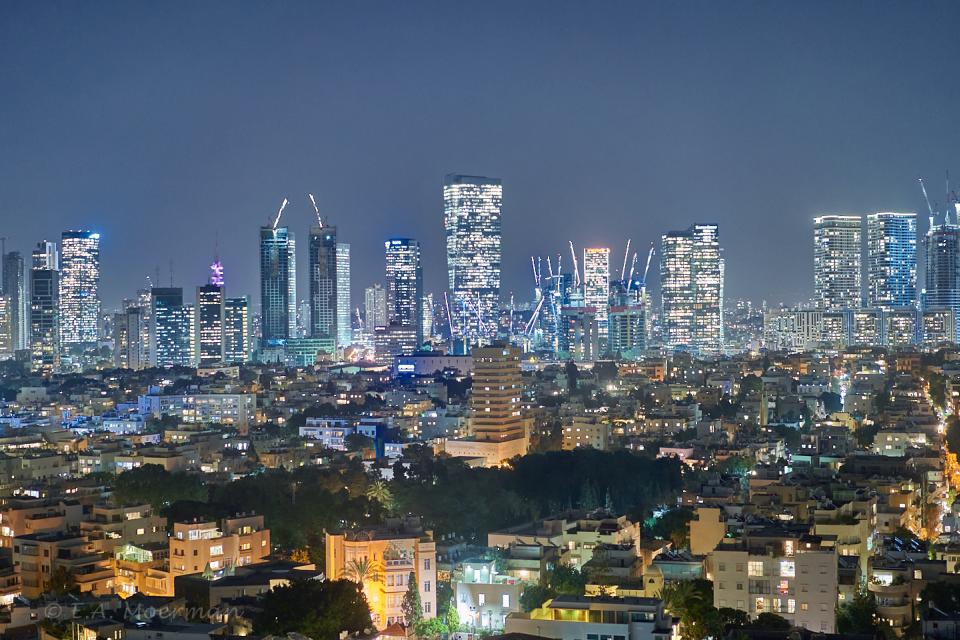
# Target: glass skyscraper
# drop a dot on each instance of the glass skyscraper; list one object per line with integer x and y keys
{"x": 278, "y": 276}
{"x": 323, "y": 282}
{"x": 405, "y": 285}
{"x": 891, "y": 260}
{"x": 79, "y": 288}
{"x": 344, "y": 325}
{"x": 837, "y": 262}
{"x": 943, "y": 271}
{"x": 44, "y": 309}
{"x": 596, "y": 286}
{"x": 691, "y": 289}
{"x": 471, "y": 210}
{"x": 236, "y": 329}
{"x": 15, "y": 289}
{"x": 209, "y": 325}
{"x": 170, "y": 336}
{"x": 375, "y": 307}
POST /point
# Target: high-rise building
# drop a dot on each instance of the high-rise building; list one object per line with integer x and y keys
{"x": 578, "y": 337}
{"x": 6, "y": 329}
{"x": 943, "y": 270}
{"x": 628, "y": 331}
{"x": 323, "y": 281}
{"x": 837, "y": 262}
{"x": 427, "y": 321}
{"x": 498, "y": 431}
{"x": 15, "y": 288}
{"x": 170, "y": 333}
{"x": 210, "y": 311}
{"x": 44, "y": 309}
{"x": 375, "y": 307}
{"x": 405, "y": 284}
{"x": 236, "y": 329}
{"x": 472, "y": 219}
{"x": 278, "y": 276}
{"x": 344, "y": 324}
{"x": 691, "y": 289}
{"x": 892, "y": 260}
{"x": 596, "y": 285}
{"x": 127, "y": 349}
{"x": 79, "y": 289}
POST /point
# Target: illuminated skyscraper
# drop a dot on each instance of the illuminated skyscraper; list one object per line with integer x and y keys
{"x": 209, "y": 339}
{"x": 15, "y": 288}
{"x": 6, "y": 329}
{"x": 344, "y": 324}
{"x": 892, "y": 260}
{"x": 405, "y": 285}
{"x": 427, "y": 321}
{"x": 596, "y": 286}
{"x": 277, "y": 278}
{"x": 691, "y": 289}
{"x": 170, "y": 334}
{"x": 375, "y": 307}
{"x": 79, "y": 288}
{"x": 127, "y": 349}
{"x": 471, "y": 209}
{"x": 236, "y": 329}
{"x": 44, "y": 309}
{"x": 323, "y": 281}
{"x": 943, "y": 271}
{"x": 837, "y": 262}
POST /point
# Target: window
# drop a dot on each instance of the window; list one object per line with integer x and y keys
{"x": 505, "y": 601}
{"x": 426, "y": 586}
{"x": 760, "y": 604}
{"x": 791, "y": 606}
{"x": 426, "y": 607}
{"x": 804, "y": 606}
{"x": 426, "y": 564}
{"x": 755, "y": 568}
{"x": 722, "y": 567}
{"x": 216, "y": 550}
{"x": 141, "y": 531}
{"x": 739, "y": 586}
{"x": 481, "y": 599}
{"x": 788, "y": 569}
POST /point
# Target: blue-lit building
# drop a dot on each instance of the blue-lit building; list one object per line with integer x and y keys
{"x": 277, "y": 284}
{"x": 943, "y": 270}
{"x": 170, "y": 328}
{"x": 323, "y": 281}
{"x": 892, "y": 260}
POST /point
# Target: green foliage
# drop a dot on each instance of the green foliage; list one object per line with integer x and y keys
{"x": 432, "y": 628}
{"x": 736, "y": 465}
{"x": 734, "y": 618}
{"x": 953, "y": 434}
{"x": 858, "y": 615}
{"x": 573, "y": 375}
{"x": 672, "y": 526}
{"x": 412, "y": 607}
{"x": 832, "y": 402}
{"x": 156, "y": 486}
{"x": 943, "y": 595}
{"x": 567, "y": 580}
{"x": 62, "y": 581}
{"x": 534, "y": 595}
{"x": 866, "y": 433}
{"x": 770, "y": 621}
{"x": 692, "y": 602}
{"x": 358, "y": 442}
{"x": 937, "y": 384}
{"x": 317, "y": 609}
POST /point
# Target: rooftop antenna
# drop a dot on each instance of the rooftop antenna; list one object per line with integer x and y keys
{"x": 313, "y": 201}
{"x": 927, "y": 199}
{"x": 280, "y": 213}
{"x": 626, "y": 256}
{"x": 171, "y": 274}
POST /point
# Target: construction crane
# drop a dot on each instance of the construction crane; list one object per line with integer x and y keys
{"x": 533, "y": 317}
{"x": 313, "y": 201}
{"x": 927, "y": 199}
{"x": 626, "y": 255}
{"x": 536, "y": 272}
{"x": 576, "y": 266}
{"x": 446, "y": 302}
{"x": 647, "y": 267}
{"x": 633, "y": 265}
{"x": 280, "y": 213}
{"x": 359, "y": 321}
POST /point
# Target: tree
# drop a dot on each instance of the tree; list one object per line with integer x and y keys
{"x": 411, "y": 606}
{"x": 573, "y": 375}
{"x": 534, "y": 595}
{"x": 858, "y": 615}
{"x": 362, "y": 570}
{"x": 953, "y": 434}
{"x": 672, "y": 526}
{"x": 772, "y": 621}
{"x": 691, "y": 601}
{"x": 358, "y": 442}
{"x": 317, "y": 609}
{"x": 379, "y": 491}
{"x": 155, "y": 485}
{"x": 568, "y": 580}
{"x": 432, "y": 628}
{"x": 62, "y": 581}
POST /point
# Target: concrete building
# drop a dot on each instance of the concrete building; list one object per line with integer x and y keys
{"x": 568, "y": 617}
{"x": 584, "y": 431}
{"x": 203, "y": 547}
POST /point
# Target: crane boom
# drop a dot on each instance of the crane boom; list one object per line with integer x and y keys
{"x": 633, "y": 266}
{"x": 647, "y": 267}
{"x": 626, "y": 256}
{"x": 280, "y": 213}
{"x": 927, "y": 199}
{"x": 576, "y": 266}
{"x": 313, "y": 201}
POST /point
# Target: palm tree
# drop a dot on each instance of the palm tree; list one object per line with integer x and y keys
{"x": 379, "y": 491}
{"x": 363, "y": 570}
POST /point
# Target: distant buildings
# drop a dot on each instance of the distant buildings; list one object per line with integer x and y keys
{"x": 691, "y": 283}
{"x": 405, "y": 285}
{"x": 837, "y": 262}
{"x": 596, "y": 286}
{"x": 943, "y": 269}
{"x": 892, "y": 260}
{"x": 236, "y": 329}
{"x": 211, "y": 312}
{"x": 323, "y": 281}
{"x": 15, "y": 290}
{"x": 44, "y": 309}
{"x": 278, "y": 276}
{"x": 344, "y": 323}
{"x": 79, "y": 286}
{"x": 375, "y": 307}
{"x": 170, "y": 342}
{"x": 471, "y": 211}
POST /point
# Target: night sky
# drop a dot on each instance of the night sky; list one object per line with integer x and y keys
{"x": 176, "y": 127}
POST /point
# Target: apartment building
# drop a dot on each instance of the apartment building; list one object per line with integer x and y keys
{"x": 108, "y": 527}
{"x": 236, "y": 409}
{"x": 585, "y": 431}
{"x": 485, "y": 597}
{"x": 382, "y": 560}
{"x": 774, "y": 570}
{"x": 40, "y": 556}
{"x": 568, "y": 617}
{"x": 26, "y": 516}
{"x": 200, "y": 547}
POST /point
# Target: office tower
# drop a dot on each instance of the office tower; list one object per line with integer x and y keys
{"x": 405, "y": 285}
{"x": 393, "y": 340}
{"x": 837, "y": 262}
{"x": 628, "y": 331}
{"x": 79, "y": 288}
{"x": 190, "y": 313}
{"x": 344, "y": 322}
{"x": 578, "y": 338}
{"x": 427, "y": 320}
{"x": 170, "y": 342}
{"x": 236, "y": 329}
{"x": 375, "y": 307}
{"x": 209, "y": 325}
{"x": 127, "y": 348}
{"x": 6, "y": 329}
{"x": 892, "y": 260}
{"x": 44, "y": 309}
{"x": 471, "y": 212}
{"x": 596, "y": 285}
{"x": 323, "y": 281}
{"x": 277, "y": 277}
{"x": 15, "y": 288}
{"x": 943, "y": 270}
{"x": 691, "y": 286}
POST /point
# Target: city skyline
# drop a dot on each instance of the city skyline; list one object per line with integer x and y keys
{"x": 642, "y": 166}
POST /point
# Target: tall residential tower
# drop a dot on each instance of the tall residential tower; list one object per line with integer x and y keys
{"x": 837, "y": 262}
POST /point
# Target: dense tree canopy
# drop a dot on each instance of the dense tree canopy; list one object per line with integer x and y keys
{"x": 317, "y": 609}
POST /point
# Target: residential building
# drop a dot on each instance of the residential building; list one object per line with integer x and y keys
{"x": 691, "y": 277}
{"x": 278, "y": 277}
{"x": 405, "y": 285}
{"x": 837, "y": 261}
{"x": 375, "y": 307}
{"x": 15, "y": 289}
{"x": 170, "y": 331}
{"x": 236, "y": 329}
{"x": 209, "y": 334}
{"x": 892, "y": 260}
{"x": 205, "y": 547}
{"x": 570, "y": 617}
{"x": 45, "y": 309}
{"x": 943, "y": 270}
{"x": 323, "y": 281}
{"x": 79, "y": 294}
{"x": 344, "y": 322}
